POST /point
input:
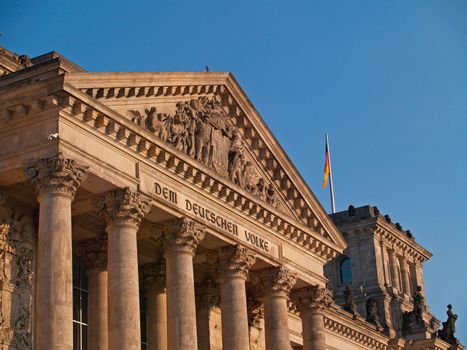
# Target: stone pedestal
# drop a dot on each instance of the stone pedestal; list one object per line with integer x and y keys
{"x": 56, "y": 180}
{"x": 123, "y": 210}
{"x": 312, "y": 302}
{"x": 274, "y": 285}
{"x": 233, "y": 264}
{"x": 180, "y": 239}
{"x": 153, "y": 276}
{"x": 93, "y": 253}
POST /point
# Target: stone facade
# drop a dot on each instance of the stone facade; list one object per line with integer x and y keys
{"x": 192, "y": 226}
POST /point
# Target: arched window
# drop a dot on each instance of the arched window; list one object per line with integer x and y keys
{"x": 345, "y": 271}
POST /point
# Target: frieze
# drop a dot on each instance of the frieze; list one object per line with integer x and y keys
{"x": 16, "y": 270}
{"x": 203, "y": 130}
{"x": 111, "y": 125}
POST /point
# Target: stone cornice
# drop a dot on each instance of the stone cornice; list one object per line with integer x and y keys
{"x": 111, "y": 124}
{"x": 393, "y": 238}
{"x": 104, "y": 86}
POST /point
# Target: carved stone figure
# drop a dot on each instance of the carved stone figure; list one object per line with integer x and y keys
{"x": 418, "y": 303}
{"x": 372, "y": 312}
{"x": 203, "y": 130}
{"x": 449, "y": 327}
{"x": 349, "y": 305}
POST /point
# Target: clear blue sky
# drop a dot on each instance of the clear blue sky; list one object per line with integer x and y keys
{"x": 387, "y": 79}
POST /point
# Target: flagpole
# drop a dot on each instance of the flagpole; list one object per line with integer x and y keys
{"x": 331, "y": 187}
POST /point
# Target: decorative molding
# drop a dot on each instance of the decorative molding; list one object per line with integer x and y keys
{"x": 207, "y": 295}
{"x": 56, "y": 175}
{"x": 203, "y": 130}
{"x": 179, "y": 235}
{"x": 153, "y": 277}
{"x": 16, "y": 279}
{"x": 255, "y": 311}
{"x": 274, "y": 281}
{"x": 122, "y": 207}
{"x": 93, "y": 253}
{"x": 181, "y": 165}
{"x": 312, "y": 299}
{"x": 233, "y": 261}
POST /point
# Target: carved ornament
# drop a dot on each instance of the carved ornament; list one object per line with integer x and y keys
{"x": 122, "y": 207}
{"x": 312, "y": 298}
{"x": 180, "y": 235}
{"x": 203, "y": 130}
{"x": 274, "y": 281}
{"x": 255, "y": 312}
{"x": 208, "y": 295}
{"x": 56, "y": 175}
{"x": 93, "y": 252}
{"x": 153, "y": 277}
{"x": 232, "y": 261}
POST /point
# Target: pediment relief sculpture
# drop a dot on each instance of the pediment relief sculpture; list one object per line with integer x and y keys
{"x": 203, "y": 130}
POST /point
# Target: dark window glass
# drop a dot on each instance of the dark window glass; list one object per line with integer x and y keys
{"x": 80, "y": 306}
{"x": 345, "y": 271}
{"x": 142, "y": 307}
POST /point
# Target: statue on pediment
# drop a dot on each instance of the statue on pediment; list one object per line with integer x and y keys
{"x": 202, "y": 129}
{"x": 449, "y": 327}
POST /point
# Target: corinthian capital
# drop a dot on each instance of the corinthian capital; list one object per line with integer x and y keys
{"x": 233, "y": 261}
{"x": 56, "y": 175}
{"x": 180, "y": 235}
{"x": 93, "y": 252}
{"x": 153, "y": 277}
{"x": 275, "y": 281}
{"x": 122, "y": 206}
{"x": 313, "y": 298}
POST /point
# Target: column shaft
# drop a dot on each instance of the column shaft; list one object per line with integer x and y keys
{"x": 313, "y": 331}
{"x": 97, "y": 309}
{"x": 123, "y": 288}
{"x": 394, "y": 272}
{"x": 181, "y": 313}
{"x": 54, "y": 274}
{"x": 156, "y": 320}
{"x": 276, "y": 323}
{"x": 405, "y": 276}
{"x": 234, "y": 314}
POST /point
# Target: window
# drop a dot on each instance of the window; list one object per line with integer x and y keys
{"x": 142, "y": 305}
{"x": 345, "y": 271}
{"x": 80, "y": 306}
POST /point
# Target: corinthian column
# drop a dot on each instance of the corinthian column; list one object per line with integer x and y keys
{"x": 180, "y": 239}
{"x": 311, "y": 302}
{"x": 233, "y": 265}
{"x": 122, "y": 211}
{"x": 274, "y": 285}
{"x": 153, "y": 276}
{"x": 55, "y": 180}
{"x": 93, "y": 253}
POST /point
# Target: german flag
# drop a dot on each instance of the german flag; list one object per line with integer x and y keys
{"x": 327, "y": 168}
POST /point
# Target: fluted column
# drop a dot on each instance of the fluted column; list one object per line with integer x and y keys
{"x": 93, "y": 253}
{"x": 405, "y": 275}
{"x": 393, "y": 267}
{"x": 180, "y": 239}
{"x": 122, "y": 211}
{"x": 233, "y": 264}
{"x": 311, "y": 302}
{"x": 56, "y": 180}
{"x": 274, "y": 285}
{"x": 153, "y": 276}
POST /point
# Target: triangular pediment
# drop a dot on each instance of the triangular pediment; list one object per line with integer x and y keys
{"x": 208, "y": 117}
